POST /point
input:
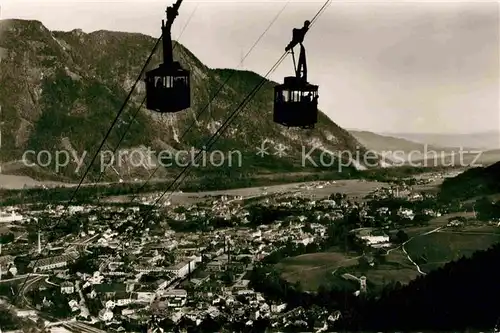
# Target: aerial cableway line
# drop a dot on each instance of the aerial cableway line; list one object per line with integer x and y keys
{"x": 206, "y": 107}
{"x": 139, "y": 109}
{"x": 212, "y": 140}
{"x": 224, "y": 84}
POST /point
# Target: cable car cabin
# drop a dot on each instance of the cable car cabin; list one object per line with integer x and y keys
{"x": 296, "y": 103}
{"x": 168, "y": 89}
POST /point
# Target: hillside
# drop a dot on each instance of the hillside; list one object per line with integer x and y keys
{"x": 472, "y": 183}
{"x": 60, "y": 91}
{"x": 461, "y": 295}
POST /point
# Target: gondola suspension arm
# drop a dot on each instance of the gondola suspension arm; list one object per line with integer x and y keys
{"x": 172, "y": 12}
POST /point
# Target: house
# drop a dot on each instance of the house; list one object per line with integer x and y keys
{"x": 278, "y": 308}
{"x": 105, "y": 315}
{"x": 144, "y": 297}
{"x": 73, "y": 305}
{"x": 174, "y": 298}
{"x": 10, "y": 217}
{"x": 67, "y": 287}
{"x": 375, "y": 239}
{"x": 26, "y": 313}
{"x": 305, "y": 240}
{"x": 124, "y": 298}
{"x": 215, "y": 266}
{"x": 406, "y": 213}
{"x": 241, "y": 285}
{"x": 96, "y": 278}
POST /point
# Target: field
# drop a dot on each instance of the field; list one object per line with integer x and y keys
{"x": 313, "y": 190}
{"x": 429, "y": 247}
{"x": 314, "y": 269}
{"x": 436, "y": 249}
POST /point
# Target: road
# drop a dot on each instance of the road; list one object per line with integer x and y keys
{"x": 351, "y": 277}
{"x": 408, "y": 256}
{"x": 402, "y": 247}
{"x": 433, "y": 231}
{"x": 81, "y": 327}
{"x": 23, "y": 277}
{"x": 28, "y": 287}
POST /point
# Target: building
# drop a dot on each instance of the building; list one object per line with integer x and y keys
{"x": 182, "y": 269}
{"x": 75, "y": 209}
{"x": 105, "y": 315}
{"x": 215, "y": 266}
{"x": 145, "y": 297}
{"x": 10, "y": 217}
{"x": 175, "y": 298}
{"x": 241, "y": 285}
{"x": 375, "y": 239}
{"x": 5, "y": 263}
{"x": 362, "y": 283}
{"x": 47, "y": 264}
{"x": 67, "y": 288}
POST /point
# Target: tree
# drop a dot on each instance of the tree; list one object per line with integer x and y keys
{"x": 22, "y": 263}
{"x": 7, "y": 238}
{"x": 307, "y": 228}
{"x": 40, "y": 323}
{"x": 8, "y": 319}
{"x": 227, "y": 277}
{"x": 363, "y": 262}
{"x": 246, "y": 261}
{"x": 422, "y": 219}
{"x": 401, "y": 237}
{"x": 379, "y": 256}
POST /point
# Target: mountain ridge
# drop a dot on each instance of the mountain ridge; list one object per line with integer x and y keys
{"x": 486, "y": 140}
{"x": 58, "y": 87}
{"x": 395, "y": 148}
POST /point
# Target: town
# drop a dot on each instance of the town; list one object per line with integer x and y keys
{"x": 126, "y": 266}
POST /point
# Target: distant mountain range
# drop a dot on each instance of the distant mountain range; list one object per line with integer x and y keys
{"x": 403, "y": 150}
{"x": 484, "y": 140}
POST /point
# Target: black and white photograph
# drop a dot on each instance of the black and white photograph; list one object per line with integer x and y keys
{"x": 249, "y": 166}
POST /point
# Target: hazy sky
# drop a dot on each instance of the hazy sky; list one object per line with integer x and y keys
{"x": 391, "y": 66}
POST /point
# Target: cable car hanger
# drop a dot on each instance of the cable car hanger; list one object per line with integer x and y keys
{"x": 296, "y": 100}
{"x": 298, "y": 38}
{"x": 168, "y": 87}
{"x": 166, "y": 29}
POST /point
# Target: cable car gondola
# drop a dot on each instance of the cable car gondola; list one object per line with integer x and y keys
{"x": 168, "y": 87}
{"x": 296, "y": 100}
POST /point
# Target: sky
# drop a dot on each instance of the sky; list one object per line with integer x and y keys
{"x": 393, "y": 66}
